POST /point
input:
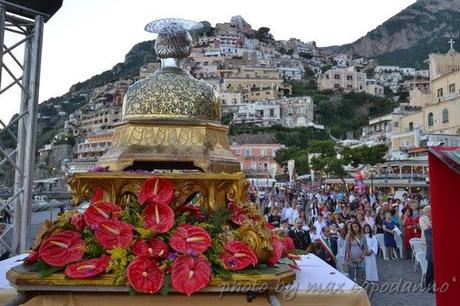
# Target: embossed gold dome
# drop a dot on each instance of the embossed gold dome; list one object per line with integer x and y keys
{"x": 171, "y": 93}
{"x": 171, "y": 121}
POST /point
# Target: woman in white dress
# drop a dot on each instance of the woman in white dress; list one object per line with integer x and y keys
{"x": 372, "y": 248}
{"x": 340, "y": 257}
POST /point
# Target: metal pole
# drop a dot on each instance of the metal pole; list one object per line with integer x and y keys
{"x": 21, "y": 147}
{"x": 31, "y": 129}
{"x": 2, "y": 37}
{"x": 372, "y": 181}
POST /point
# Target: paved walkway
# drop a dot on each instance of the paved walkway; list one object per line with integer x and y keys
{"x": 399, "y": 285}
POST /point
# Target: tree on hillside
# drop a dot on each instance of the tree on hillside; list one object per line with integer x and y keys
{"x": 324, "y": 147}
{"x": 300, "y": 156}
{"x": 364, "y": 155}
{"x": 263, "y": 34}
{"x": 329, "y": 166}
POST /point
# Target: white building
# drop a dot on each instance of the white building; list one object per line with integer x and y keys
{"x": 347, "y": 79}
{"x": 422, "y": 73}
{"x": 386, "y": 69}
{"x": 342, "y": 60}
{"x": 289, "y": 73}
{"x": 290, "y": 112}
{"x": 375, "y": 88}
{"x": 212, "y": 52}
{"x": 297, "y": 111}
{"x": 260, "y": 113}
{"x": 407, "y": 71}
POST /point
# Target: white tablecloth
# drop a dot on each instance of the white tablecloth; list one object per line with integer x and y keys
{"x": 319, "y": 284}
{"x": 7, "y": 264}
{"x": 315, "y": 273}
{"x": 316, "y": 284}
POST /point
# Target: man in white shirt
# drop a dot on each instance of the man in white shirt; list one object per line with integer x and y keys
{"x": 352, "y": 197}
{"x": 319, "y": 224}
{"x": 295, "y": 214}
{"x": 286, "y": 213}
{"x": 425, "y": 223}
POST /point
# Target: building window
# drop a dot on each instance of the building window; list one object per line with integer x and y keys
{"x": 327, "y": 76}
{"x": 263, "y": 152}
{"x": 349, "y": 78}
{"x": 272, "y": 112}
{"x": 349, "y": 87}
{"x": 430, "y": 119}
{"x": 445, "y": 115}
{"x": 411, "y": 126}
{"x": 452, "y": 88}
{"x": 440, "y": 92}
{"x": 248, "y": 152}
{"x": 336, "y": 85}
{"x": 337, "y": 76}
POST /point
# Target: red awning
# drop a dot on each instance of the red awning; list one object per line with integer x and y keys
{"x": 448, "y": 155}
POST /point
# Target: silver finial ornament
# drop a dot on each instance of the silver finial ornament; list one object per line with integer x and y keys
{"x": 174, "y": 40}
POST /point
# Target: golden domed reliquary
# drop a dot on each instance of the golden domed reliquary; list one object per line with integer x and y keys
{"x": 170, "y": 132}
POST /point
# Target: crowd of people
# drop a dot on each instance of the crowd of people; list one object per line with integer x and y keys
{"x": 342, "y": 227}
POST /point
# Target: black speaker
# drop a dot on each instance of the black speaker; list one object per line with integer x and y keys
{"x": 32, "y": 8}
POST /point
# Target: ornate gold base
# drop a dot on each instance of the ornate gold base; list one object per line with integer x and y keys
{"x": 201, "y": 144}
{"x": 216, "y": 189}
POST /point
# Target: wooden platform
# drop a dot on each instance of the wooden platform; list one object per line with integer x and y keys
{"x": 24, "y": 279}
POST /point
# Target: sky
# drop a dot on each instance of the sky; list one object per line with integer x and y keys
{"x": 86, "y": 37}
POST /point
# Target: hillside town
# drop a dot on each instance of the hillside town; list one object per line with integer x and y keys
{"x": 254, "y": 76}
{"x": 216, "y": 159}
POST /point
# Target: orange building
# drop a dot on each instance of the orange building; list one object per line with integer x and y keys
{"x": 256, "y": 159}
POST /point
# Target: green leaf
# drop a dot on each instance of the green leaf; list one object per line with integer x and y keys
{"x": 166, "y": 285}
{"x": 93, "y": 248}
{"x": 119, "y": 259}
{"x": 218, "y": 218}
{"x": 132, "y": 212}
{"x": 219, "y": 271}
{"x": 132, "y": 291}
{"x": 144, "y": 232}
{"x": 44, "y": 269}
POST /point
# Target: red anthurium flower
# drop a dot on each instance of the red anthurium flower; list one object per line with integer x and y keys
{"x": 97, "y": 196}
{"x": 190, "y": 274}
{"x": 269, "y": 226}
{"x": 193, "y": 210}
{"x": 62, "y": 248}
{"x": 237, "y": 214}
{"x": 31, "y": 258}
{"x": 158, "y": 217}
{"x": 277, "y": 252}
{"x": 237, "y": 255}
{"x": 88, "y": 268}
{"x": 144, "y": 275}
{"x": 114, "y": 233}
{"x": 190, "y": 240}
{"x": 101, "y": 211}
{"x": 156, "y": 190}
{"x": 78, "y": 221}
{"x": 288, "y": 245}
{"x": 155, "y": 248}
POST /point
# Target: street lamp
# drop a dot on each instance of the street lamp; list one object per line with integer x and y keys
{"x": 372, "y": 171}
